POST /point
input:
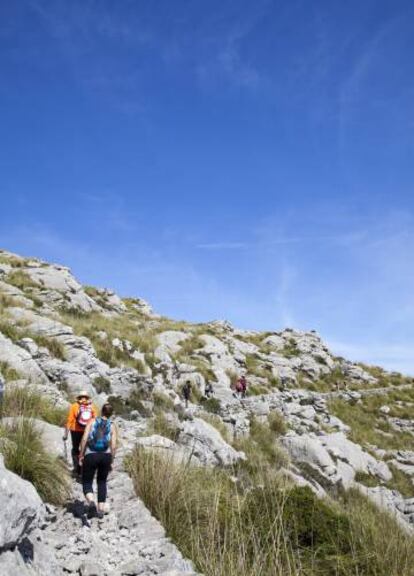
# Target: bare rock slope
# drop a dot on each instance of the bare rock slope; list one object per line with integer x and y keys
{"x": 342, "y": 424}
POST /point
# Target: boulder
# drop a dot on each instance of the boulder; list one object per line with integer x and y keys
{"x": 170, "y": 340}
{"x": 344, "y": 450}
{"x": 58, "y": 282}
{"x": 308, "y": 450}
{"x": 20, "y": 360}
{"x": 20, "y": 506}
{"x": 207, "y": 444}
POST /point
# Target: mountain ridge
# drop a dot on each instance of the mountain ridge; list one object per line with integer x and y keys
{"x": 331, "y": 424}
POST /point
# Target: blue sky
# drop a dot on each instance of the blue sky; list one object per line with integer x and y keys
{"x": 222, "y": 158}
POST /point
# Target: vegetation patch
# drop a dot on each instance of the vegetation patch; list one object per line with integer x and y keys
{"x": 21, "y": 280}
{"x": 163, "y": 426}
{"x": 8, "y": 372}
{"x": 270, "y": 529}
{"x": 212, "y": 405}
{"x": 102, "y": 385}
{"x": 290, "y": 349}
{"x": 25, "y": 455}
{"x": 368, "y": 425}
{"x": 27, "y": 402}
{"x": 9, "y": 329}
{"x": 56, "y": 348}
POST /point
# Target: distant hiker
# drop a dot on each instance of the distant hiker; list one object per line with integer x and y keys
{"x": 97, "y": 452}
{"x": 187, "y": 392}
{"x": 241, "y": 386}
{"x": 80, "y": 414}
{"x": 208, "y": 390}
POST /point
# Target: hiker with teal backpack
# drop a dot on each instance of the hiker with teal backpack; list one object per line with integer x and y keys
{"x": 97, "y": 452}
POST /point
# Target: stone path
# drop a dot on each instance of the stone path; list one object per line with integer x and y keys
{"x": 128, "y": 541}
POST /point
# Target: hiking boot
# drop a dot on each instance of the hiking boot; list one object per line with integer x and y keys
{"x": 100, "y": 514}
{"x": 92, "y": 512}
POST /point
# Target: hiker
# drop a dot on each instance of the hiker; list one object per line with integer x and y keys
{"x": 208, "y": 390}
{"x": 80, "y": 413}
{"x": 187, "y": 392}
{"x": 241, "y": 386}
{"x": 97, "y": 453}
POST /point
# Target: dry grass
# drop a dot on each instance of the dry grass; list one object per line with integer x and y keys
{"x": 25, "y": 455}
{"x": 368, "y": 425}
{"x": 270, "y": 529}
{"x": 21, "y": 280}
{"x": 8, "y": 372}
{"x": 24, "y": 401}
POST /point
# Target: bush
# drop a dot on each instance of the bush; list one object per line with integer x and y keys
{"x": 212, "y": 405}
{"x": 124, "y": 407}
{"x": 102, "y": 384}
{"x": 25, "y": 455}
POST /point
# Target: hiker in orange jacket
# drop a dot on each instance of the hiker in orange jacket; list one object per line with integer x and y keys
{"x": 80, "y": 413}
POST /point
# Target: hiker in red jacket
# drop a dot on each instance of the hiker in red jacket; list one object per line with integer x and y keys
{"x": 243, "y": 385}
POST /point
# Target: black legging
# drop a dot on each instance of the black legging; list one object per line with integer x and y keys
{"x": 100, "y": 461}
{"x": 76, "y": 438}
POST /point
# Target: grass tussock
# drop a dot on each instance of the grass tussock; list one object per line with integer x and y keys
{"x": 8, "y": 372}
{"x": 21, "y": 401}
{"x": 20, "y": 279}
{"x": 9, "y": 329}
{"x": 56, "y": 348}
{"x": 271, "y": 530}
{"x": 25, "y": 455}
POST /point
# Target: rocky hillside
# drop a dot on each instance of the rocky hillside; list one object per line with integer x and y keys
{"x": 339, "y": 425}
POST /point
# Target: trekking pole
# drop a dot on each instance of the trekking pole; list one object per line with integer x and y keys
{"x": 65, "y": 448}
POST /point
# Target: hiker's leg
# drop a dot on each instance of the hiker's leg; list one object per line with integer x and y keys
{"x": 76, "y": 438}
{"x": 104, "y": 468}
{"x": 88, "y": 472}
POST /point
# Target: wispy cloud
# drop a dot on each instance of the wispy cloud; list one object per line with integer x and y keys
{"x": 352, "y": 237}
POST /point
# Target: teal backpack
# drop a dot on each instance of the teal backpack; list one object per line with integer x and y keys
{"x": 100, "y": 435}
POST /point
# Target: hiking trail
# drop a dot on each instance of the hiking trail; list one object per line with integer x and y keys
{"x": 128, "y": 541}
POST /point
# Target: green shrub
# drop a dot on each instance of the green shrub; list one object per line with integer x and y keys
{"x": 212, "y": 405}
{"x": 290, "y": 350}
{"x": 102, "y": 384}
{"x": 124, "y": 407}
{"x": 25, "y": 455}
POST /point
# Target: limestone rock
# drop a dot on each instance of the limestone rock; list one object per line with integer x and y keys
{"x": 207, "y": 444}
{"x": 20, "y": 506}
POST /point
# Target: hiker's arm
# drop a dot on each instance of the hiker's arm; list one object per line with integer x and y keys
{"x": 84, "y": 441}
{"x": 114, "y": 440}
